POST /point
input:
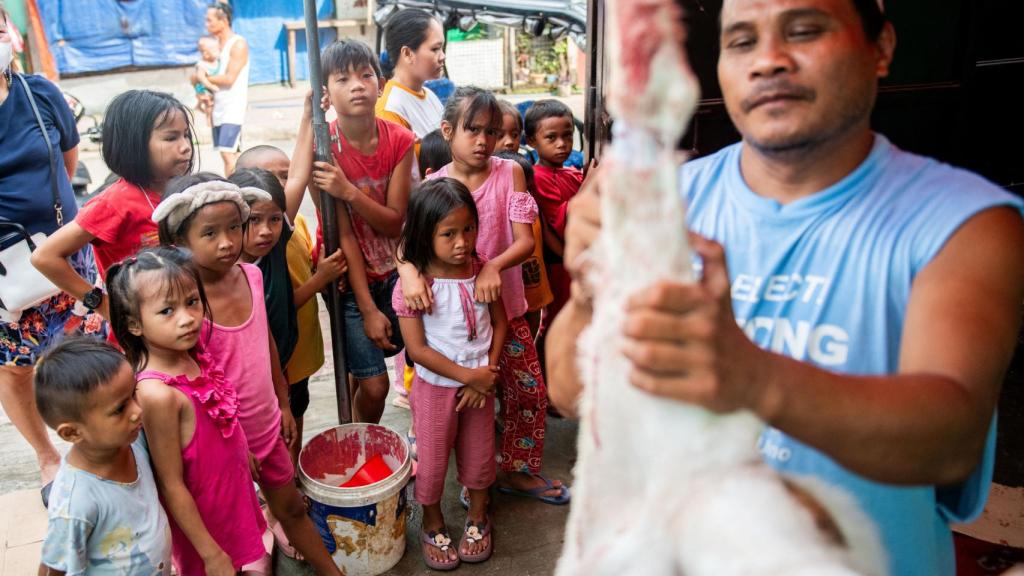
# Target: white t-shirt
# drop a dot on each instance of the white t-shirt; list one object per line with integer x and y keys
{"x": 418, "y": 111}
{"x": 229, "y": 104}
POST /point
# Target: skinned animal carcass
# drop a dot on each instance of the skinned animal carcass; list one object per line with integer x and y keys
{"x": 662, "y": 487}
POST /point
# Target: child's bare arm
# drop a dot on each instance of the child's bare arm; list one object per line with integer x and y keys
{"x": 162, "y": 408}
{"x": 488, "y": 281}
{"x": 416, "y": 291}
{"x": 499, "y": 328}
{"x": 51, "y": 258}
{"x": 384, "y": 219}
{"x": 288, "y": 428}
{"x": 550, "y": 239}
{"x": 302, "y": 161}
{"x": 328, "y": 270}
{"x": 482, "y": 379}
{"x": 375, "y": 323}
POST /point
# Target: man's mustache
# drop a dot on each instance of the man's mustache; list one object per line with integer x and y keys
{"x": 776, "y": 89}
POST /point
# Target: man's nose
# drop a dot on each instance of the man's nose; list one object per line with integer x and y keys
{"x": 771, "y": 57}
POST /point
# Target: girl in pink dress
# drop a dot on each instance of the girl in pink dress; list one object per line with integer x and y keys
{"x": 207, "y": 214}
{"x": 190, "y": 416}
{"x": 472, "y": 121}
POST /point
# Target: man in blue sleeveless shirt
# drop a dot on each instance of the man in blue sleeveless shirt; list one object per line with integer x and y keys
{"x": 862, "y": 300}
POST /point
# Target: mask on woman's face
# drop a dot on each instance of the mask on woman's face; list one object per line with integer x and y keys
{"x": 6, "y": 54}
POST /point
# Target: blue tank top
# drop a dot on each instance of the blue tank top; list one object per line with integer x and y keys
{"x": 826, "y": 279}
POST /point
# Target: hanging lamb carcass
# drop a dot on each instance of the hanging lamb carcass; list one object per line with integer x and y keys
{"x": 665, "y": 488}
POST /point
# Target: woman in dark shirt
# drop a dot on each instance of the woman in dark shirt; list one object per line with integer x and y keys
{"x": 26, "y": 198}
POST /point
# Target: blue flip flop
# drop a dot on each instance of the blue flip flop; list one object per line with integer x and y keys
{"x": 538, "y": 492}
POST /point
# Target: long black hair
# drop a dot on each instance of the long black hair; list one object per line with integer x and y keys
{"x": 127, "y": 127}
{"x": 176, "y": 274}
{"x": 167, "y": 236}
{"x": 430, "y": 203}
{"x": 264, "y": 180}
{"x": 408, "y": 27}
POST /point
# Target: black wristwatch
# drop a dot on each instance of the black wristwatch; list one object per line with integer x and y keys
{"x": 93, "y": 298}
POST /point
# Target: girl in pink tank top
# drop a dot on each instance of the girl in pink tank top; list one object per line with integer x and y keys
{"x": 471, "y": 123}
{"x": 207, "y": 215}
{"x": 190, "y": 415}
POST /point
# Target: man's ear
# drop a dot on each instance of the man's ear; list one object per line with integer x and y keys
{"x": 886, "y": 46}
{"x": 69, "y": 432}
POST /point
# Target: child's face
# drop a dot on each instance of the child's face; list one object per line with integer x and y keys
{"x": 508, "y": 138}
{"x": 209, "y": 51}
{"x": 427, "y": 62}
{"x": 353, "y": 92}
{"x": 170, "y": 146}
{"x": 170, "y": 313}
{"x": 472, "y": 145}
{"x": 553, "y": 140}
{"x": 266, "y": 221}
{"x": 455, "y": 237}
{"x": 215, "y": 236}
{"x": 278, "y": 165}
{"x": 113, "y": 418}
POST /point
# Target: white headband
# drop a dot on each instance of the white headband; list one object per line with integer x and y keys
{"x": 179, "y": 206}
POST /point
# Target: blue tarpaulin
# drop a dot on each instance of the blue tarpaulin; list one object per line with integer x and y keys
{"x": 97, "y": 35}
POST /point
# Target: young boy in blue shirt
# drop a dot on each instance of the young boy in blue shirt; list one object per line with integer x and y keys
{"x": 104, "y": 515}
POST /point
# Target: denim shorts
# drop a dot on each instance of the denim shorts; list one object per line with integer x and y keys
{"x": 363, "y": 357}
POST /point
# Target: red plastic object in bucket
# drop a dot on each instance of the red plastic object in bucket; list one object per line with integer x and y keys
{"x": 372, "y": 472}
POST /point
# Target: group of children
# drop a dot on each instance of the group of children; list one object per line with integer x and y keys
{"x": 210, "y": 292}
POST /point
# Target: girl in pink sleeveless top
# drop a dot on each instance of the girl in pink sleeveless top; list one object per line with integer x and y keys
{"x": 472, "y": 120}
{"x": 190, "y": 415}
{"x": 207, "y": 215}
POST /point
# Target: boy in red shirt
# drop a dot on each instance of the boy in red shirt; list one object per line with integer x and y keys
{"x": 549, "y": 130}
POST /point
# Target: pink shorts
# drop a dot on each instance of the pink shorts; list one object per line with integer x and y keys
{"x": 276, "y": 468}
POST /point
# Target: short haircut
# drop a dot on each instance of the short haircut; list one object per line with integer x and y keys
{"x": 224, "y": 9}
{"x": 872, "y": 19}
{"x": 264, "y": 180}
{"x": 524, "y": 163}
{"x": 542, "y": 110}
{"x": 434, "y": 153}
{"x": 209, "y": 41}
{"x": 69, "y": 373}
{"x": 509, "y": 109}
{"x": 127, "y": 127}
{"x": 252, "y": 157}
{"x": 175, "y": 270}
{"x": 430, "y": 203}
{"x": 466, "y": 103}
{"x": 344, "y": 55}
{"x": 407, "y": 27}
{"x": 167, "y": 236}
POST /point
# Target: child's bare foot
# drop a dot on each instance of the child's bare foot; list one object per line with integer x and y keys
{"x": 533, "y": 485}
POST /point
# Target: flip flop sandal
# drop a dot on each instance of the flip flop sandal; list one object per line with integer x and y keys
{"x": 472, "y": 534}
{"x": 538, "y": 492}
{"x": 441, "y": 541}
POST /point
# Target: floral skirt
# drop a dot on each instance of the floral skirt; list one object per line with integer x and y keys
{"x": 22, "y": 342}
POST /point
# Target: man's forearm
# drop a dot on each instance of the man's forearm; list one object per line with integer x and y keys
{"x": 564, "y": 384}
{"x": 899, "y": 429}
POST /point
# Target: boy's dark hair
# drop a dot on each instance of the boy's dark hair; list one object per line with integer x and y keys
{"x": 407, "y": 27}
{"x": 345, "y": 55}
{"x": 264, "y": 180}
{"x": 466, "y": 103}
{"x": 430, "y": 203}
{"x": 127, "y": 127}
{"x": 224, "y": 9}
{"x": 69, "y": 372}
{"x": 252, "y": 156}
{"x": 524, "y": 163}
{"x": 167, "y": 236}
{"x": 175, "y": 269}
{"x": 434, "y": 153}
{"x": 542, "y": 110}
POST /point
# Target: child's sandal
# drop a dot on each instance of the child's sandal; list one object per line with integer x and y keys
{"x": 439, "y": 540}
{"x": 473, "y": 533}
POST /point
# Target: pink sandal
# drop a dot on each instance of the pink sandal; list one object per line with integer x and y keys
{"x": 475, "y": 532}
{"x": 441, "y": 541}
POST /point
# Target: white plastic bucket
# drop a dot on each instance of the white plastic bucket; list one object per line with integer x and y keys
{"x": 363, "y": 528}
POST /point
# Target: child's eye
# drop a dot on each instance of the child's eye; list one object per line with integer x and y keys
{"x": 192, "y": 301}
{"x": 166, "y": 311}
{"x": 235, "y": 226}
{"x": 120, "y": 409}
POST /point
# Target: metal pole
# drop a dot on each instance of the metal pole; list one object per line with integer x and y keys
{"x": 328, "y": 216}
